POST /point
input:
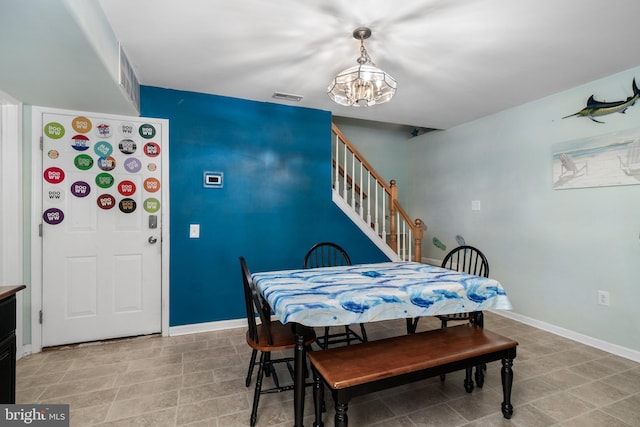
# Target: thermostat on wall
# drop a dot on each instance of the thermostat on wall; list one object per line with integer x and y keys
{"x": 213, "y": 179}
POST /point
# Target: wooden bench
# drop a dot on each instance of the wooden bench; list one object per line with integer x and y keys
{"x": 376, "y": 365}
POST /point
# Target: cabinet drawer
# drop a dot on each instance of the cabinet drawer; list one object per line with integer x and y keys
{"x": 7, "y": 316}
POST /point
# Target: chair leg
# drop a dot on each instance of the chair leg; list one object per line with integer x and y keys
{"x": 252, "y": 363}
{"x": 468, "y": 380}
{"x": 348, "y": 334}
{"x": 443, "y": 324}
{"x": 364, "y": 333}
{"x": 325, "y": 344}
{"x": 258, "y": 389}
{"x": 318, "y": 398}
{"x": 480, "y": 370}
{"x": 412, "y": 325}
{"x": 268, "y": 367}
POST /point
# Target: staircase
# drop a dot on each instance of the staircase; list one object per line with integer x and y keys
{"x": 372, "y": 204}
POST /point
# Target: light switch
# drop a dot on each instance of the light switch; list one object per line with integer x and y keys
{"x": 194, "y": 231}
{"x": 475, "y": 205}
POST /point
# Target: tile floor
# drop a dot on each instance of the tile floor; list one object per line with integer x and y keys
{"x": 198, "y": 380}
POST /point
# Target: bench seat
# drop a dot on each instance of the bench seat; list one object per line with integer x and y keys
{"x": 376, "y": 365}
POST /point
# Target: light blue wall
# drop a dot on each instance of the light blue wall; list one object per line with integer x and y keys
{"x": 275, "y": 204}
{"x": 551, "y": 249}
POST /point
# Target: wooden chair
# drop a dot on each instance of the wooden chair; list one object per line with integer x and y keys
{"x": 266, "y": 337}
{"x": 328, "y": 254}
{"x": 471, "y": 260}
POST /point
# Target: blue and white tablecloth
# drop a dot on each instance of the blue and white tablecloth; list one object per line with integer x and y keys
{"x": 331, "y": 296}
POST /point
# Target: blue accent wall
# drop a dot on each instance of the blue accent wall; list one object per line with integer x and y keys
{"x": 275, "y": 203}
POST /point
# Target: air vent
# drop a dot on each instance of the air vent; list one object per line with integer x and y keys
{"x": 287, "y": 96}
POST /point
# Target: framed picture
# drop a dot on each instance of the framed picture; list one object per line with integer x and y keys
{"x": 601, "y": 161}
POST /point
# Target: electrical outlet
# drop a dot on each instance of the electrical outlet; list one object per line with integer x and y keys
{"x": 603, "y": 298}
{"x": 194, "y": 231}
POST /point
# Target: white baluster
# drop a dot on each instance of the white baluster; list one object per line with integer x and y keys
{"x": 361, "y": 192}
{"x": 336, "y": 167}
{"x": 344, "y": 177}
{"x": 384, "y": 215}
{"x": 369, "y": 198}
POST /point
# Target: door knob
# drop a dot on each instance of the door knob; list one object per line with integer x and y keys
{"x": 152, "y": 239}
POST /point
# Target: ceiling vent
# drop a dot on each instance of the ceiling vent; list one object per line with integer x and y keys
{"x": 287, "y": 96}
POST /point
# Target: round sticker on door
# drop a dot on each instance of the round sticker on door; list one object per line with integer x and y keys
{"x": 126, "y": 188}
{"x": 83, "y": 162}
{"x": 80, "y": 143}
{"x": 80, "y": 189}
{"x": 107, "y": 164}
{"x": 54, "y": 194}
{"x": 133, "y": 165}
{"x": 151, "y": 149}
{"x": 106, "y": 201}
{"x": 104, "y": 180}
{"x": 54, "y": 130}
{"x": 147, "y": 131}
{"x": 81, "y": 124}
{"x": 151, "y": 185}
{"x": 127, "y": 205}
{"x": 151, "y": 167}
{"x": 53, "y": 216}
{"x": 127, "y": 146}
{"x": 151, "y": 205}
{"x": 103, "y": 149}
{"x": 127, "y": 130}
{"x": 53, "y": 154}
{"x": 103, "y": 130}
{"x": 54, "y": 175}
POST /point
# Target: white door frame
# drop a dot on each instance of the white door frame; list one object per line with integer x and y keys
{"x": 36, "y": 221}
{"x": 11, "y": 203}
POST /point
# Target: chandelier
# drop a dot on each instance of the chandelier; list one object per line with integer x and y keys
{"x": 364, "y": 84}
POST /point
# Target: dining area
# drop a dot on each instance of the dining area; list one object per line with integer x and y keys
{"x": 201, "y": 379}
{"x": 334, "y": 293}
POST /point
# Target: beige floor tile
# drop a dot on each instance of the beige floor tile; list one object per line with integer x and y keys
{"x": 141, "y": 405}
{"x": 598, "y": 393}
{"x": 594, "y": 419}
{"x": 562, "y": 406}
{"x": 627, "y": 410}
{"x": 437, "y": 415}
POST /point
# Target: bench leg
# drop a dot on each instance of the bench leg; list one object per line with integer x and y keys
{"x": 341, "y": 419}
{"x": 507, "y": 380}
{"x": 318, "y": 398}
{"x": 468, "y": 380}
{"x": 480, "y": 370}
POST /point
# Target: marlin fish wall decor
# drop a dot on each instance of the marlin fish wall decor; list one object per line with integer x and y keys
{"x": 596, "y": 108}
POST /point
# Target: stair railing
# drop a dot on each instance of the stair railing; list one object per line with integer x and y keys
{"x": 374, "y": 201}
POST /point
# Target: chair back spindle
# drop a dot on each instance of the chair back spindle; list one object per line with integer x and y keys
{"x": 467, "y": 259}
{"x": 255, "y": 304}
{"x": 326, "y": 254}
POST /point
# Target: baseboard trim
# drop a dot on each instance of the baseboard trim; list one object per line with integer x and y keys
{"x": 207, "y": 327}
{"x": 618, "y": 350}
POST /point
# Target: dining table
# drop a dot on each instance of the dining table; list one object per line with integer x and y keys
{"x": 363, "y": 293}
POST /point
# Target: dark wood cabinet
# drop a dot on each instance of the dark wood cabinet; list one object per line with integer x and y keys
{"x": 8, "y": 343}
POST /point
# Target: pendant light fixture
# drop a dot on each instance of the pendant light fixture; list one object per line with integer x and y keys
{"x": 364, "y": 84}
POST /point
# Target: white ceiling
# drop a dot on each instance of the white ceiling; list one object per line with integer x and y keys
{"x": 454, "y": 60}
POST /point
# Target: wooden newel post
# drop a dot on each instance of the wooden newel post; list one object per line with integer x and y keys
{"x": 418, "y": 233}
{"x": 393, "y": 232}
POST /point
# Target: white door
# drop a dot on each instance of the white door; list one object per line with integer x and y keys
{"x": 101, "y": 227}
